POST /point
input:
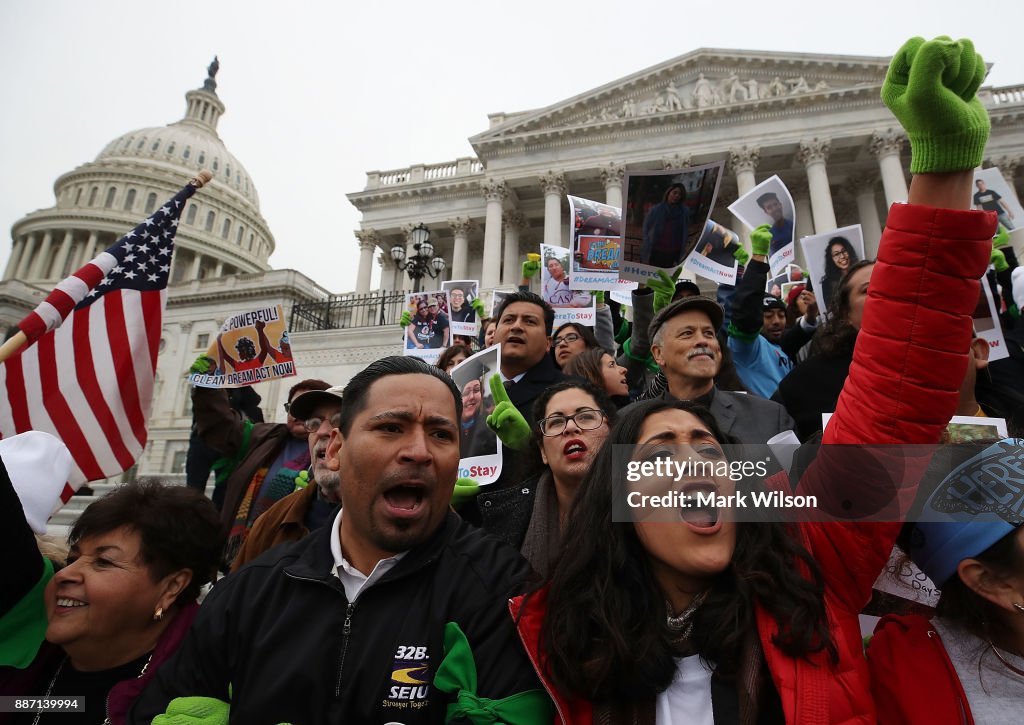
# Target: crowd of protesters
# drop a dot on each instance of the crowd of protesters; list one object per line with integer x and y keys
{"x": 359, "y": 577}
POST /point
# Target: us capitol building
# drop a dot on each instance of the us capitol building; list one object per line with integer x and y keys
{"x": 814, "y": 120}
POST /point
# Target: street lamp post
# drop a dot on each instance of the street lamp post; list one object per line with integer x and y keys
{"x": 423, "y": 262}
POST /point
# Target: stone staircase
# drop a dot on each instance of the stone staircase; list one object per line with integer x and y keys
{"x": 61, "y": 522}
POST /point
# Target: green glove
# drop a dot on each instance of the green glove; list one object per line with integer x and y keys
{"x": 530, "y": 268}
{"x": 478, "y": 306}
{"x": 761, "y": 240}
{"x": 465, "y": 491}
{"x": 202, "y": 365}
{"x": 1001, "y": 239}
{"x": 599, "y": 297}
{"x": 507, "y": 422}
{"x": 405, "y": 319}
{"x": 194, "y": 711}
{"x": 664, "y": 286}
{"x": 930, "y": 88}
{"x": 998, "y": 260}
{"x": 741, "y": 255}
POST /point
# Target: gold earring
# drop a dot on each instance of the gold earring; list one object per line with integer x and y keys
{"x": 158, "y": 614}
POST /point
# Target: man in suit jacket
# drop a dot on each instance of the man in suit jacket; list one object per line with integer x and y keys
{"x": 684, "y": 343}
{"x": 525, "y": 322}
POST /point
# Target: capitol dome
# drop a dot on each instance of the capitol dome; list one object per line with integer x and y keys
{"x": 222, "y": 231}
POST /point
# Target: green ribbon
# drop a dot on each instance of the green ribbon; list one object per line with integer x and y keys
{"x": 457, "y": 675}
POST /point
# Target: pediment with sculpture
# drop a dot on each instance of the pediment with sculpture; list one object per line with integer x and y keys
{"x": 698, "y": 82}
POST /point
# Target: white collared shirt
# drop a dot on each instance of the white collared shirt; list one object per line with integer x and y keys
{"x": 351, "y": 578}
{"x": 516, "y": 379}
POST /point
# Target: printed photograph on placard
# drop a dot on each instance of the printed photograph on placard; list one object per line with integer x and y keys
{"x": 713, "y": 258}
{"x": 461, "y": 292}
{"x": 770, "y": 203}
{"x": 480, "y": 451}
{"x": 251, "y": 347}
{"x": 664, "y": 217}
{"x": 594, "y": 218}
{"x": 992, "y": 193}
{"x": 498, "y": 296}
{"x": 791, "y": 273}
{"x": 554, "y": 279}
{"x": 429, "y": 332}
{"x": 828, "y": 257}
{"x": 987, "y": 325}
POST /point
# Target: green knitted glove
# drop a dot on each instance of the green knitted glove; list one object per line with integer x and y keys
{"x": 507, "y": 422}
{"x": 478, "y": 306}
{"x": 1001, "y": 239}
{"x": 625, "y": 330}
{"x": 998, "y": 260}
{"x": 599, "y": 297}
{"x": 465, "y": 491}
{"x": 761, "y": 240}
{"x": 530, "y": 268}
{"x": 405, "y": 319}
{"x": 664, "y": 286}
{"x": 202, "y": 365}
{"x": 930, "y": 88}
{"x": 194, "y": 711}
{"x": 741, "y": 254}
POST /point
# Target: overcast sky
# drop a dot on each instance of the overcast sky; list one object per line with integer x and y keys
{"x": 318, "y": 93}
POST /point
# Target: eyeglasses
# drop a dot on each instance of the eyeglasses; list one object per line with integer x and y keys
{"x": 586, "y": 419}
{"x": 840, "y": 253}
{"x": 565, "y": 339}
{"x": 312, "y": 425}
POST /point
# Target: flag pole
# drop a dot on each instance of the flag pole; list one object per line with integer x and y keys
{"x": 15, "y": 344}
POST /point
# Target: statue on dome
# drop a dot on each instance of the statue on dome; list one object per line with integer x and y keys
{"x": 210, "y": 84}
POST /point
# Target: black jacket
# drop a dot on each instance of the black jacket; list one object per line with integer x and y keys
{"x": 282, "y": 634}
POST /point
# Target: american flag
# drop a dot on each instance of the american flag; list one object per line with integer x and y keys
{"x": 89, "y": 381}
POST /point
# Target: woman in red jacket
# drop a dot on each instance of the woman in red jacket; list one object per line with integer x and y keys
{"x": 707, "y": 620}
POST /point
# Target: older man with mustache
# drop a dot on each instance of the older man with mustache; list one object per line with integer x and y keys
{"x": 685, "y": 345}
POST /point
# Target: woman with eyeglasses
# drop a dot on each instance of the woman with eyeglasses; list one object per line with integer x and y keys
{"x": 839, "y": 257}
{"x": 569, "y": 340}
{"x": 573, "y": 419}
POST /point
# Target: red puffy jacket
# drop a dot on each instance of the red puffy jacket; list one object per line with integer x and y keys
{"x": 904, "y": 384}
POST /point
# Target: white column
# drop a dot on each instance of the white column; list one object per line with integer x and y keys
{"x": 512, "y": 269}
{"x": 367, "y": 239}
{"x": 42, "y": 257}
{"x": 84, "y": 253}
{"x": 494, "y": 191}
{"x": 62, "y": 255}
{"x": 804, "y": 217}
{"x": 98, "y": 245}
{"x": 17, "y": 249}
{"x": 553, "y": 186}
{"x": 387, "y": 273}
{"x": 218, "y": 270}
{"x": 197, "y": 261}
{"x": 461, "y": 227}
{"x": 812, "y": 154}
{"x": 611, "y": 177}
{"x": 26, "y": 257}
{"x": 863, "y": 189}
{"x": 743, "y": 160}
{"x": 886, "y": 146}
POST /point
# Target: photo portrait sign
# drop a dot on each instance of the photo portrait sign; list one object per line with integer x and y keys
{"x": 429, "y": 332}
{"x": 770, "y": 203}
{"x": 664, "y": 217}
{"x": 480, "y": 450}
{"x": 251, "y": 347}
{"x": 570, "y": 305}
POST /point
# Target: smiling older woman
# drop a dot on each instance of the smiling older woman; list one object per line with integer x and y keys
{"x": 125, "y": 599}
